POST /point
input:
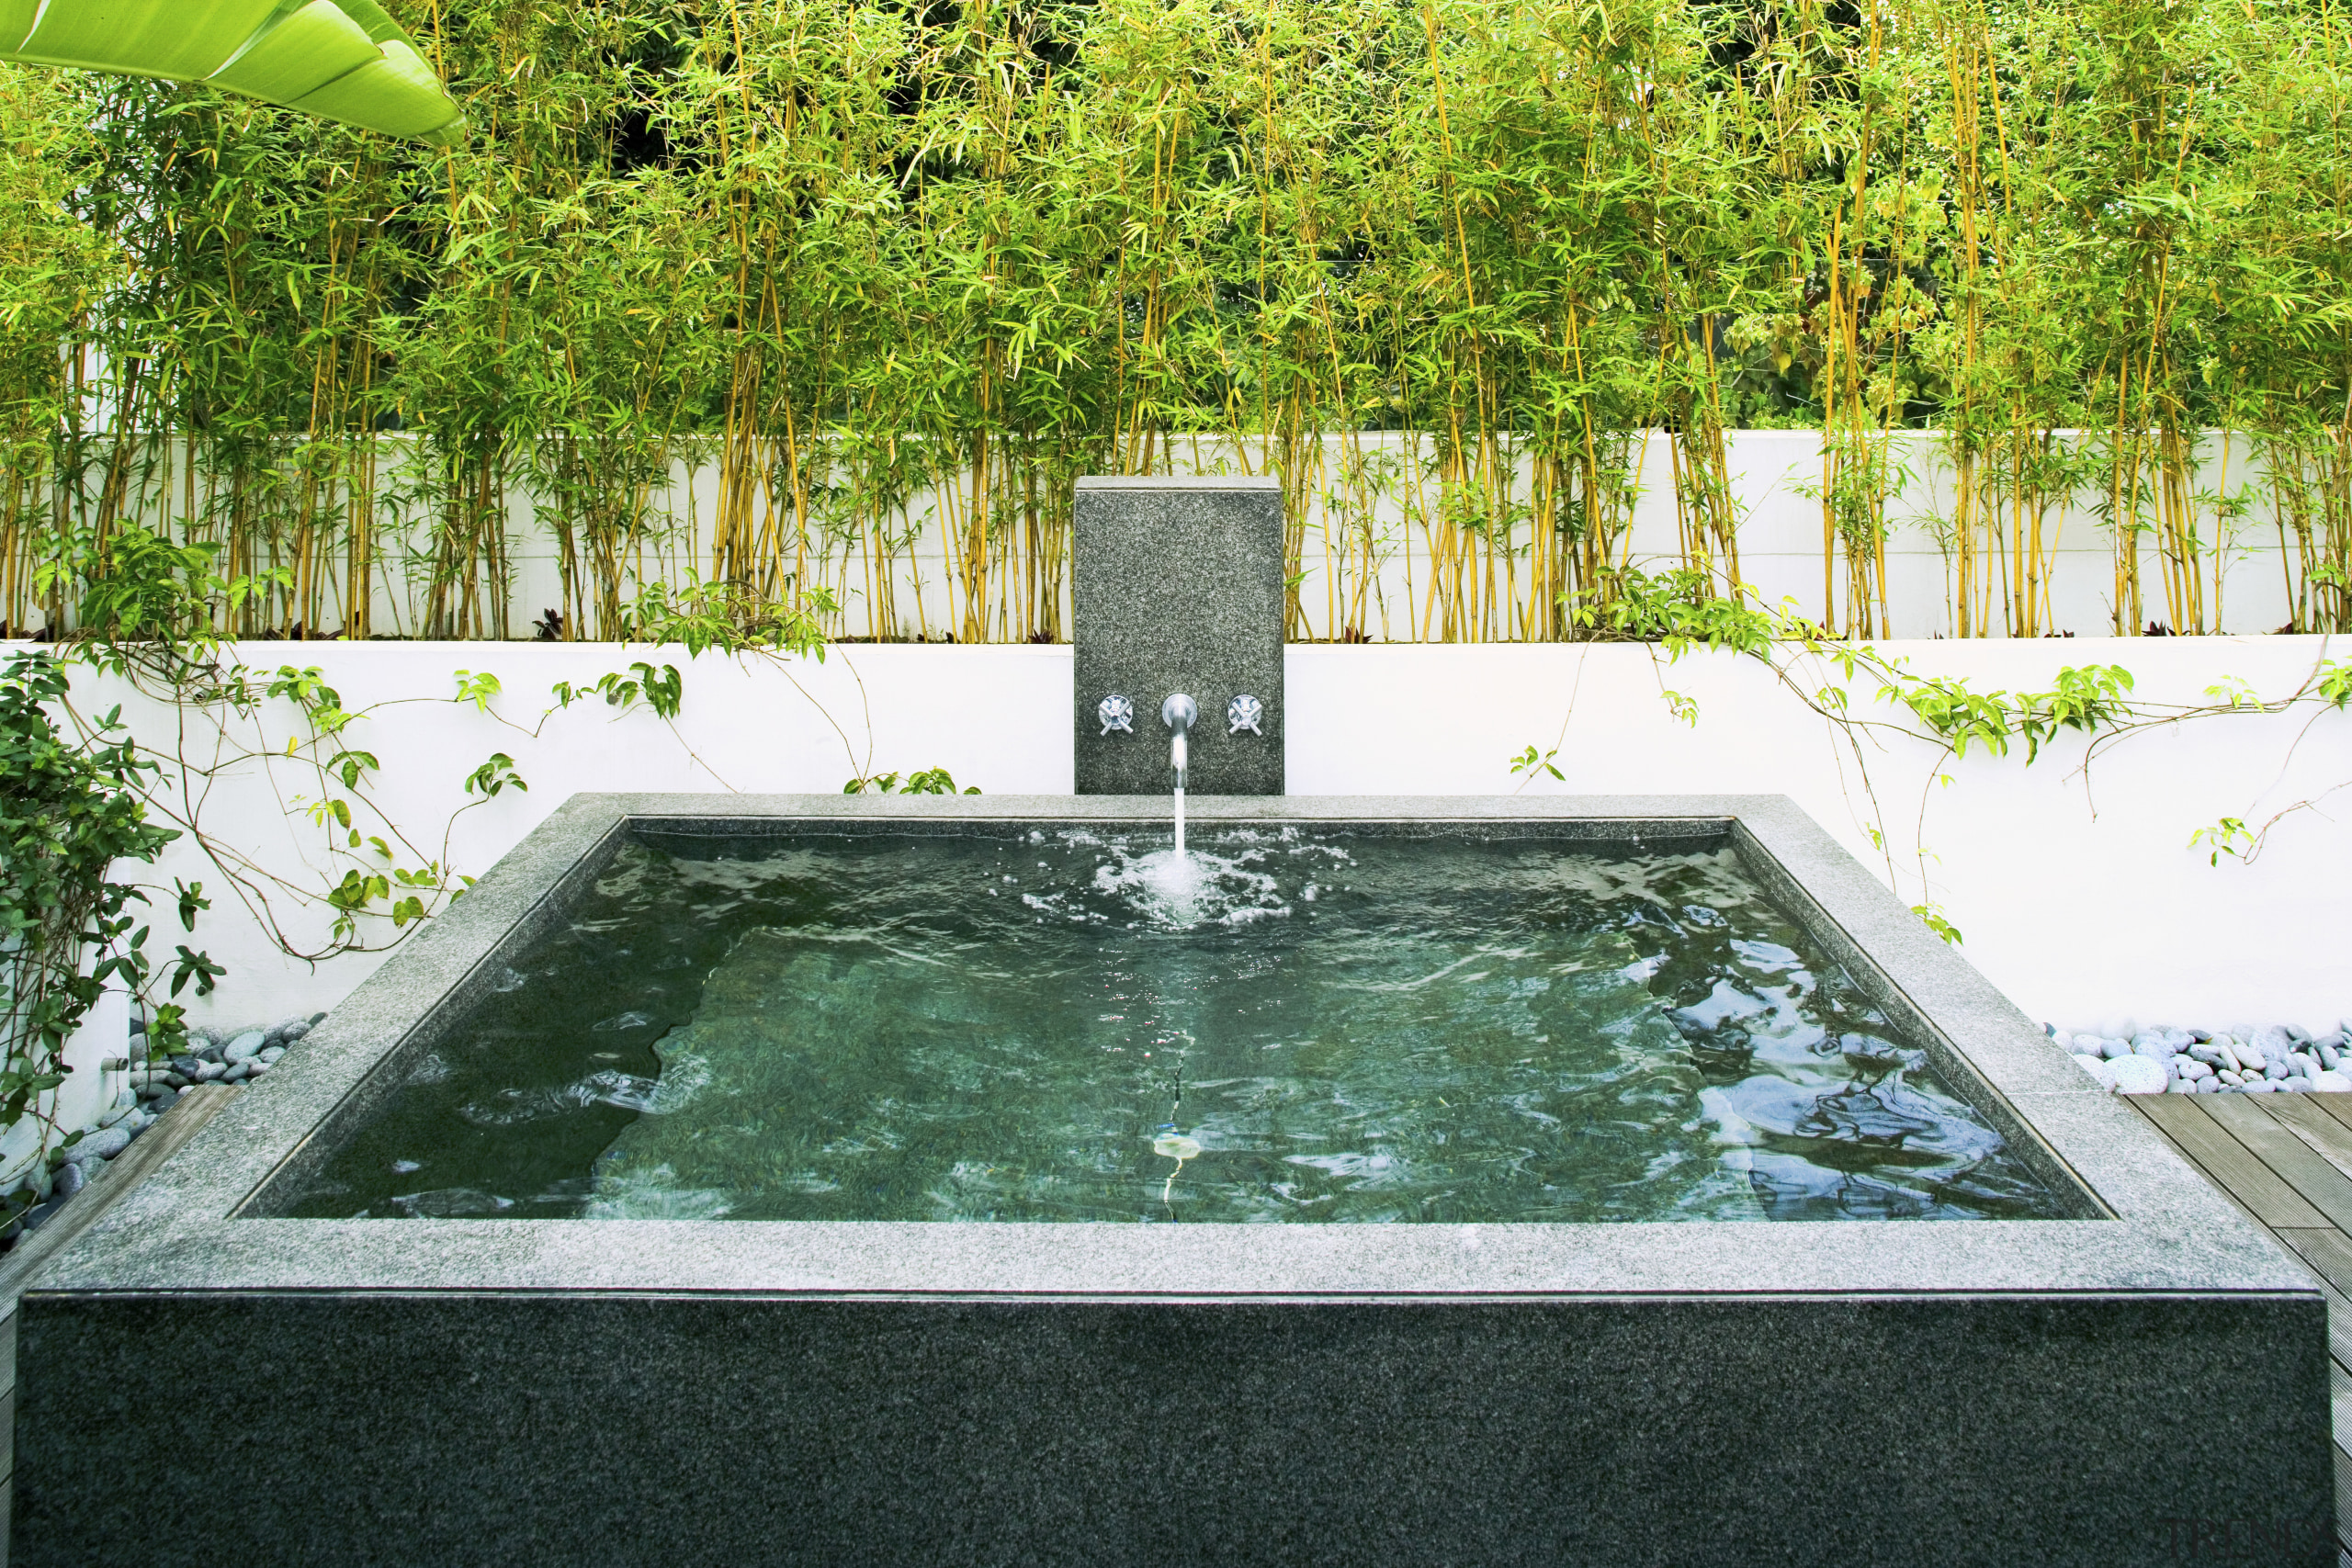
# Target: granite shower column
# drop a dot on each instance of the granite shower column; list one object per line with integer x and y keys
{"x": 1176, "y": 585}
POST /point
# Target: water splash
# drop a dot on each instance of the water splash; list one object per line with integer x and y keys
{"x": 1170, "y": 888}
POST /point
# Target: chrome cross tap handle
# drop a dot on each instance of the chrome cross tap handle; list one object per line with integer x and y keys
{"x": 1244, "y": 711}
{"x": 1116, "y": 714}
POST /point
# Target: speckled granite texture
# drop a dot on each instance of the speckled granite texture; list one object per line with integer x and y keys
{"x": 1176, "y": 585}
{"x": 483, "y": 1391}
{"x": 690, "y": 1432}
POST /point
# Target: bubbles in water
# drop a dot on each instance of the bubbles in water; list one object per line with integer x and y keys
{"x": 1199, "y": 888}
{"x": 1059, "y": 905}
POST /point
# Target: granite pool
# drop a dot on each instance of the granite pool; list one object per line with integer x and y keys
{"x": 940, "y": 1269}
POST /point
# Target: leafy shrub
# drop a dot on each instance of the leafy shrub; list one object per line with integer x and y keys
{"x": 70, "y": 812}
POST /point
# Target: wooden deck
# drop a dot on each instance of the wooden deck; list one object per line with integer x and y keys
{"x": 2287, "y": 1161}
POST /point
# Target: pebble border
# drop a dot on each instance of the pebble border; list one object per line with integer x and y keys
{"x": 2275, "y": 1059}
{"x": 212, "y": 1055}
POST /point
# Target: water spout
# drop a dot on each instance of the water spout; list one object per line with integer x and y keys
{"x": 1178, "y": 714}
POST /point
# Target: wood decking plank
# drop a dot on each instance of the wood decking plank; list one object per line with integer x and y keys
{"x": 2328, "y": 1251}
{"x": 2228, "y": 1162}
{"x": 2304, "y": 1115}
{"x": 2338, "y": 1106}
{"x": 2339, "y": 1320}
{"x": 2343, "y": 1500}
{"x": 2325, "y": 1187}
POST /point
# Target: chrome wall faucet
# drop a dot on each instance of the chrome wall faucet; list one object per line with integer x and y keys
{"x": 1178, "y": 714}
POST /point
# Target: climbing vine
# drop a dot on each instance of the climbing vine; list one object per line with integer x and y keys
{"x": 73, "y": 809}
{"x": 1676, "y": 612}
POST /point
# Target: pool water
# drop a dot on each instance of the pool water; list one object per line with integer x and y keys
{"x": 1063, "y": 1025}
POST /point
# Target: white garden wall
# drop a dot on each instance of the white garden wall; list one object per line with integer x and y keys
{"x": 2077, "y": 889}
{"x": 88, "y": 1092}
{"x": 1780, "y": 541}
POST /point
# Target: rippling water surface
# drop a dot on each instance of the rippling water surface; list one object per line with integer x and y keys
{"x": 1292, "y": 1025}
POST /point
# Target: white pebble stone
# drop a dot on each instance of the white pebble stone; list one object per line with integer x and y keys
{"x": 2331, "y": 1083}
{"x": 2137, "y": 1074}
{"x": 2101, "y": 1071}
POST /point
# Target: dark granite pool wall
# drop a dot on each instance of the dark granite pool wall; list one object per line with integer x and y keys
{"x": 1176, "y": 585}
{"x": 471, "y": 1391}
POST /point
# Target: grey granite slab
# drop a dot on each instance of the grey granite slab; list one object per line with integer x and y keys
{"x": 672, "y": 1430}
{"x": 1810, "y": 1393}
{"x": 1176, "y": 585}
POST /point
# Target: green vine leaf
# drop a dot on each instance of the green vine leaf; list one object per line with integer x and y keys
{"x": 496, "y": 774}
{"x": 476, "y": 689}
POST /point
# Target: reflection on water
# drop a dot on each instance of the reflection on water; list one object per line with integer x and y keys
{"x": 1282, "y": 1026}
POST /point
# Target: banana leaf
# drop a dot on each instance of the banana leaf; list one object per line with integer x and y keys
{"x": 341, "y": 60}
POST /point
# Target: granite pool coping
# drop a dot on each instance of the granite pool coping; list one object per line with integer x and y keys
{"x": 2152, "y": 1226}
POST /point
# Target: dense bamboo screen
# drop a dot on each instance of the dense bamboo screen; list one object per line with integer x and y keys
{"x": 888, "y": 275}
